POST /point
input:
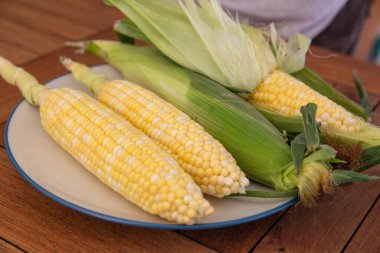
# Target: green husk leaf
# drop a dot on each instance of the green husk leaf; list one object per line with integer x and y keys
{"x": 370, "y": 157}
{"x": 298, "y": 147}
{"x": 128, "y": 32}
{"x": 314, "y": 81}
{"x": 336, "y": 160}
{"x": 267, "y": 194}
{"x": 309, "y": 113}
{"x": 363, "y": 95}
{"x": 344, "y": 176}
{"x": 166, "y": 25}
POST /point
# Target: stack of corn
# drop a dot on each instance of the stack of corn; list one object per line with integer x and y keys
{"x": 120, "y": 155}
{"x": 259, "y": 149}
{"x": 204, "y": 158}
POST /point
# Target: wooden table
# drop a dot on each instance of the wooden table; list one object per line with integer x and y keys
{"x": 32, "y": 35}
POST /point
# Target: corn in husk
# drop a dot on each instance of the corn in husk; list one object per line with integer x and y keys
{"x": 259, "y": 149}
{"x": 246, "y": 60}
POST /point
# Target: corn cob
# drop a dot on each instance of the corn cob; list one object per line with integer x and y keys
{"x": 204, "y": 158}
{"x": 120, "y": 155}
{"x": 243, "y": 58}
{"x": 259, "y": 149}
{"x": 282, "y": 93}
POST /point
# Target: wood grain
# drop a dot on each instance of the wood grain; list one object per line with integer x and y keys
{"x": 351, "y": 92}
{"x": 234, "y": 239}
{"x": 44, "y": 69}
{"x": 38, "y": 224}
{"x": 47, "y": 23}
{"x": 2, "y": 131}
{"x": 366, "y": 239}
{"x": 32, "y": 28}
{"x": 338, "y": 68}
{"x": 335, "y": 217}
{"x": 96, "y": 17}
{"x": 5, "y": 247}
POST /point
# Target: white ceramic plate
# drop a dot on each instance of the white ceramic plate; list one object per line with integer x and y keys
{"x": 56, "y": 174}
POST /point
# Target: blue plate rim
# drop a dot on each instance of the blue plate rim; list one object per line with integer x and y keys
{"x": 142, "y": 224}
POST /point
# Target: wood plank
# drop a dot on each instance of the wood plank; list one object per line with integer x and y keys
{"x": 38, "y": 20}
{"x": 2, "y": 132}
{"x": 339, "y": 69}
{"x": 38, "y": 224}
{"x": 351, "y": 92}
{"x": 16, "y": 52}
{"x": 91, "y": 18}
{"x": 375, "y": 118}
{"x": 32, "y": 40}
{"x": 44, "y": 69}
{"x": 335, "y": 217}
{"x": 234, "y": 239}
{"x": 8, "y": 248}
{"x": 366, "y": 239}
{"x": 28, "y": 29}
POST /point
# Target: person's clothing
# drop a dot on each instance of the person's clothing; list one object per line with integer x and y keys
{"x": 334, "y": 24}
{"x": 343, "y": 34}
{"x": 309, "y": 17}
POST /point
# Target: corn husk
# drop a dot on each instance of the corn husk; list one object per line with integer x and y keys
{"x": 260, "y": 150}
{"x": 232, "y": 48}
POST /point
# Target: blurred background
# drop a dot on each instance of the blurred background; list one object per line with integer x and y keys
{"x": 348, "y": 26}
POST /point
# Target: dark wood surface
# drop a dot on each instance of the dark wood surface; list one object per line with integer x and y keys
{"x": 32, "y": 34}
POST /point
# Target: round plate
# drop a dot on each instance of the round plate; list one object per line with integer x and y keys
{"x": 52, "y": 171}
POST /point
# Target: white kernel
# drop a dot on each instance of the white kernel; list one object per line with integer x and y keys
{"x": 245, "y": 181}
{"x": 164, "y": 127}
{"x": 325, "y": 116}
{"x": 108, "y": 169}
{"x": 69, "y": 123}
{"x": 131, "y": 160}
{"x": 77, "y": 131}
{"x": 110, "y": 158}
{"x": 188, "y": 198}
{"x": 169, "y": 177}
{"x": 190, "y": 187}
{"x": 117, "y": 151}
{"x": 225, "y": 163}
{"x": 173, "y": 172}
{"x": 86, "y": 138}
{"x": 228, "y": 181}
{"x": 74, "y": 142}
{"x": 210, "y": 189}
{"x": 349, "y": 121}
{"x": 156, "y": 119}
{"x": 220, "y": 180}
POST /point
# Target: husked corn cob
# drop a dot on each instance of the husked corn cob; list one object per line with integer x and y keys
{"x": 212, "y": 167}
{"x": 282, "y": 93}
{"x": 120, "y": 155}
